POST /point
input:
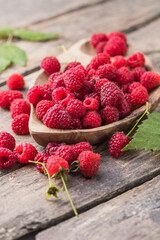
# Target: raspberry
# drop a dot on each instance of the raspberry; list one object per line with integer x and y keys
{"x": 50, "y": 65}
{"x": 100, "y": 47}
{"x": 67, "y": 153}
{"x": 52, "y": 147}
{"x": 96, "y": 38}
{"x": 42, "y": 107}
{"x": 81, "y": 147}
{"x": 91, "y": 104}
{"x": 7, "y": 141}
{"x": 91, "y": 72}
{"x": 19, "y": 106}
{"x": 71, "y": 65}
{"x": 92, "y": 119}
{"x": 109, "y": 114}
{"x": 76, "y": 108}
{"x": 20, "y": 124}
{"x": 15, "y": 82}
{"x": 110, "y": 94}
{"x": 58, "y": 82}
{"x": 124, "y": 108}
{"x": 133, "y": 86}
{"x": 7, "y": 158}
{"x": 14, "y": 95}
{"x": 36, "y": 94}
{"x": 107, "y": 71}
{"x": 138, "y": 72}
{"x": 93, "y": 95}
{"x": 128, "y": 99}
{"x": 125, "y": 87}
{"x": 62, "y": 96}
{"x": 98, "y": 60}
{"x": 76, "y": 123}
{"x": 41, "y": 157}
{"x": 5, "y": 98}
{"x": 87, "y": 88}
{"x": 99, "y": 84}
{"x": 48, "y": 87}
{"x": 74, "y": 78}
{"x": 124, "y": 76}
{"x": 118, "y": 141}
{"x": 57, "y": 117}
{"x": 89, "y": 163}
{"x": 119, "y": 61}
{"x": 117, "y": 34}
{"x": 150, "y": 80}
{"x": 139, "y": 95}
{"x": 54, "y": 76}
{"x": 55, "y": 164}
{"x": 136, "y": 60}
{"x": 25, "y": 152}
{"x": 115, "y": 46}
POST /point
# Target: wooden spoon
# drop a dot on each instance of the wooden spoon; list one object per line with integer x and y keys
{"x": 82, "y": 51}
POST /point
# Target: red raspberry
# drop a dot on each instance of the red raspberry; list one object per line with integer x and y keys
{"x": 99, "y": 84}
{"x": 57, "y": 117}
{"x": 125, "y": 87}
{"x": 96, "y": 38}
{"x": 107, "y": 71}
{"x": 62, "y": 96}
{"x": 52, "y": 147}
{"x": 117, "y": 34}
{"x": 58, "y": 82}
{"x": 41, "y": 157}
{"x": 118, "y": 141}
{"x": 109, "y": 114}
{"x": 124, "y": 76}
{"x": 50, "y": 65}
{"x": 48, "y": 87}
{"x": 136, "y": 60}
{"x": 115, "y": 46}
{"x": 55, "y": 164}
{"x": 36, "y": 94}
{"x": 133, "y": 86}
{"x": 87, "y": 88}
{"x": 100, "y": 47}
{"x": 7, "y": 158}
{"x": 128, "y": 99}
{"x": 139, "y": 95}
{"x": 76, "y": 108}
{"x": 98, "y": 60}
{"x": 5, "y": 98}
{"x": 71, "y": 65}
{"x": 110, "y": 94}
{"x": 76, "y": 123}
{"x": 54, "y": 76}
{"x": 74, "y": 78}
{"x": 14, "y": 95}
{"x": 67, "y": 153}
{"x": 19, "y": 106}
{"x": 150, "y": 80}
{"x": 42, "y": 107}
{"x": 93, "y": 95}
{"x": 89, "y": 163}
{"x": 92, "y": 119}
{"x": 119, "y": 61}
{"x": 25, "y": 152}
{"x": 20, "y": 124}
{"x": 138, "y": 72}
{"x": 15, "y": 82}
{"x": 91, "y": 104}
{"x": 7, "y": 141}
{"x": 91, "y": 72}
{"x": 124, "y": 108}
{"x": 81, "y": 147}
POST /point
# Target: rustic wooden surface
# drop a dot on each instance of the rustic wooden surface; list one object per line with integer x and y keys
{"x": 24, "y": 209}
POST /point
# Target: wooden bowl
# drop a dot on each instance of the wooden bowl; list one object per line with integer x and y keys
{"x": 83, "y": 52}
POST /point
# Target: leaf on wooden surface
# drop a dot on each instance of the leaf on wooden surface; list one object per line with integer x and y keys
{"x": 4, "y": 63}
{"x": 148, "y": 135}
{"x": 34, "y": 36}
{"x": 5, "y": 32}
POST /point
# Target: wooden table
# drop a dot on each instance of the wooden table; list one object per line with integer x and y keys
{"x": 123, "y": 200}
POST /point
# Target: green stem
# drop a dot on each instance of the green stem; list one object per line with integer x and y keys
{"x": 145, "y": 113}
{"x": 10, "y": 37}
{"x": 64, "y": 184}
{"x": 66, "y": 52}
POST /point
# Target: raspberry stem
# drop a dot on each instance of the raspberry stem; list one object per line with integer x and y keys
{"x": 146, "y": 112}
{"x": 66, "y": 52}
{"x": 64, "y": 184}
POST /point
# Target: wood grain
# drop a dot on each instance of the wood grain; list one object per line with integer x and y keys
{"x": 133, "y": 215}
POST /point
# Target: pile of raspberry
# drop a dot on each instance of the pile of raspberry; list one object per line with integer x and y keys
{"x": 57, "y": 155}
{"x": 107, "y": 90}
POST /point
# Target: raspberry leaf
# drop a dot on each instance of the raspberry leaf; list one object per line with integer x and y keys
{"x": 5, "y": 32}
{"x": 34, "y": 36}
{"x": 4, "y": 63}
{"x": 147, "y": 136}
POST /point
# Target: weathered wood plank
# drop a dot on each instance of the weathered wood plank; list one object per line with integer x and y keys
{"x": 117, "y": 15}
{"x": 133, "y": 215}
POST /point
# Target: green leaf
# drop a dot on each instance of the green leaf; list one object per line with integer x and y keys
{"x": 4, "y": 63}
{"x": 148, "y": 135}
{"x": 5, "y": 32}
{"x": 34, "y": 36}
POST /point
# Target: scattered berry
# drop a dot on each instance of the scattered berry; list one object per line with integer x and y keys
{"x": 52, "y": 147}
{"x": 136, "y": 60}
{"x": 42, "y": 107}
{"x": 66, "y": 152}
{"x": 5, "y": 98}
{"x": 20, "y": 124}
{"x": 7, "y": 158}
{"x": 81, "y": 147}
{"x": 150, "y": 80}
{"x": 50, "y": 65}
{"x": 56, "y": 164}
{"x": 15, "y": 82}
{"x": 41, "y": 157}
{"x": 36, "y": 94}
{"x": 25, "y": 152}
{"x": 92, "y": 119}
{"x": 7, "y": 141}
{"x": 19, "y": 106}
